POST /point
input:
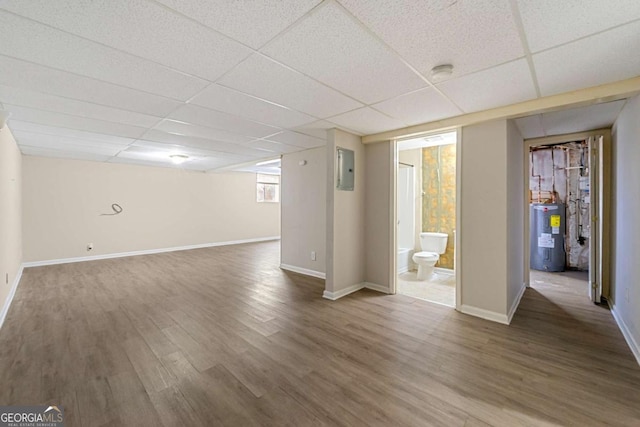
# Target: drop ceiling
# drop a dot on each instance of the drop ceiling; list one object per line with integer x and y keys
{"x": 228, "y": 83}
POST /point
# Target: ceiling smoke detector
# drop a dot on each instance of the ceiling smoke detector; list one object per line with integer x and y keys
{"x": 441, "y": 72}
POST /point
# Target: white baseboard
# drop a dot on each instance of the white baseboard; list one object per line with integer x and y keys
{"x": 305, "y": 271}
{"x": 516, "y": 303}
{"x": 376, "y": 287}
{"x": 446, "y": 271}
{"x": 144, "y": 252}
{"x": 485, "y": 314}
{"x": 342, "y": 292}
{"x": 633, "y": 345}
{"x": 12, "y": 293}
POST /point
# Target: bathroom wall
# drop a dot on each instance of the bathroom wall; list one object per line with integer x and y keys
{"x": 439, "y": 199}
{"x": 491, "y": 225}
{"x": 377, "y": 214}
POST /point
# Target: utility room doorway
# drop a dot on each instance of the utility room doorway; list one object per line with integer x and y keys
{"x": 566, "y": 205}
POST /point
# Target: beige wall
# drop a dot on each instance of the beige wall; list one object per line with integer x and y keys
{"x": 304, "y": 212}
{"x": 163, "y": 208}
{"x": 414, "y": 157}
{"x": 625, "y": 227}
{"x": 484, "y": 232}
{"x": 10, "y": 214}
{"x": 345, "y": 213}
{"x": 515, "y": 215}
{"x": 377, "y": 216}
{"x": 491, "y": 223}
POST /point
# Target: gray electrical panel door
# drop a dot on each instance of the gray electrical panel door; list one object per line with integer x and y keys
{"x": 547, "y": 236}
{"x": 345, "y": 169}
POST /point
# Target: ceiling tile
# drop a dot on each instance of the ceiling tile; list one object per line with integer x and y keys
{"x": 218, "y": 120}
{"x": 26, "y": 75}
{"x": 44, "y": 45}
{"x": 264, "y": 78}
{"x": 26, "y": 98}
{"x": 332, "y": 47}
{"x": 187, "y": 129}
{"x": 141, "y": 28}
{"x": 421, "y": 106}
{"x": 367, "y": 121}
{"x": 297, "y": 139}
{"x": 530, "y": 126}
{"x": 200, "y": 143}
{"x": 250, "y": 22}
{"x": 549, "y": 23}
{"x": 592, "y": 117}
{"x": 233, "y": 102}
{"x": 20, "y": 126}
{"x": 75, "y": 155}
{"x": 317, "y": 129}
{"x": 273, "y": 147}
{"x": 599, "y": 59}
{"x": 48, "y": 142}
{"x": 502, "y": 85}
{"x": 73, "y": 122}
{"x": 471, "y": 35}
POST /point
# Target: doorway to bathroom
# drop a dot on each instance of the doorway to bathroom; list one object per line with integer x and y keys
{"x": 426, "y": 218}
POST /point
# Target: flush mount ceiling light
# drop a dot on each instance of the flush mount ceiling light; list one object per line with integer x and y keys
{"x": 441, "y": 72}
{"x": 178, "y": 158}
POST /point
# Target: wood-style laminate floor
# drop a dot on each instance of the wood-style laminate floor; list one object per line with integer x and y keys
{"x": 222, "y": 336}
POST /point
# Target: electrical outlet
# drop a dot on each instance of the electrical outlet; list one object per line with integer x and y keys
{"x": 89, "y": 247}
{"x": 626, "y": 294}
{"x": 313, "y": 255}
{"x": 7, "y": 278}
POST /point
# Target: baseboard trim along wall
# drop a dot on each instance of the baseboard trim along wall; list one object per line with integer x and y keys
{"x": 516, "y": 303}
{"x": 377, "y": 288}
{"x": 145, "y": 252}
{"x": 354, "y": 288}
{"x": 485, "y": 314}
{"x": 342, "y": 292}
{"x": 633, "y": 345}
{"x": 305, "y": 271}
{"x": 12, "y": 293}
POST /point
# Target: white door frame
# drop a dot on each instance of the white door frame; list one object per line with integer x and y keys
{"x": 604, "y": 196}
{"x": 393, "y": 215}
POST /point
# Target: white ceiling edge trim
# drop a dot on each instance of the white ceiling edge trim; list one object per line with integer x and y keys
{"x": 578, "y": 98}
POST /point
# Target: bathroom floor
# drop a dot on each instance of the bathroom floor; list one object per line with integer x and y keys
{"x": 440, "y": 288}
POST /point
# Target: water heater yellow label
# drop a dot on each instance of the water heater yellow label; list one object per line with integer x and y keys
{"x": 555, "y": 220}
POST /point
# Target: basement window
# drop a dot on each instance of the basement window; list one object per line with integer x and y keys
{"x": 268, "y": 188}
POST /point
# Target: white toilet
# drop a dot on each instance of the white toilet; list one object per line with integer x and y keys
{"x": 432, "y": 244}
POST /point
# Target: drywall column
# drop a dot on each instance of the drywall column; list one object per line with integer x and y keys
{"x": 378, "y": 216}
{"x": 515, "y": 219}
{"x": 345, "y": 257}
{"x": 10, "y": 218}
{"x": 625, "y": 241}
{"x": 491, "y": 199}
{"x": 304, "y": 213}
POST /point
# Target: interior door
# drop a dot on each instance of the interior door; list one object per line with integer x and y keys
{"x": 595, "y": 206}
